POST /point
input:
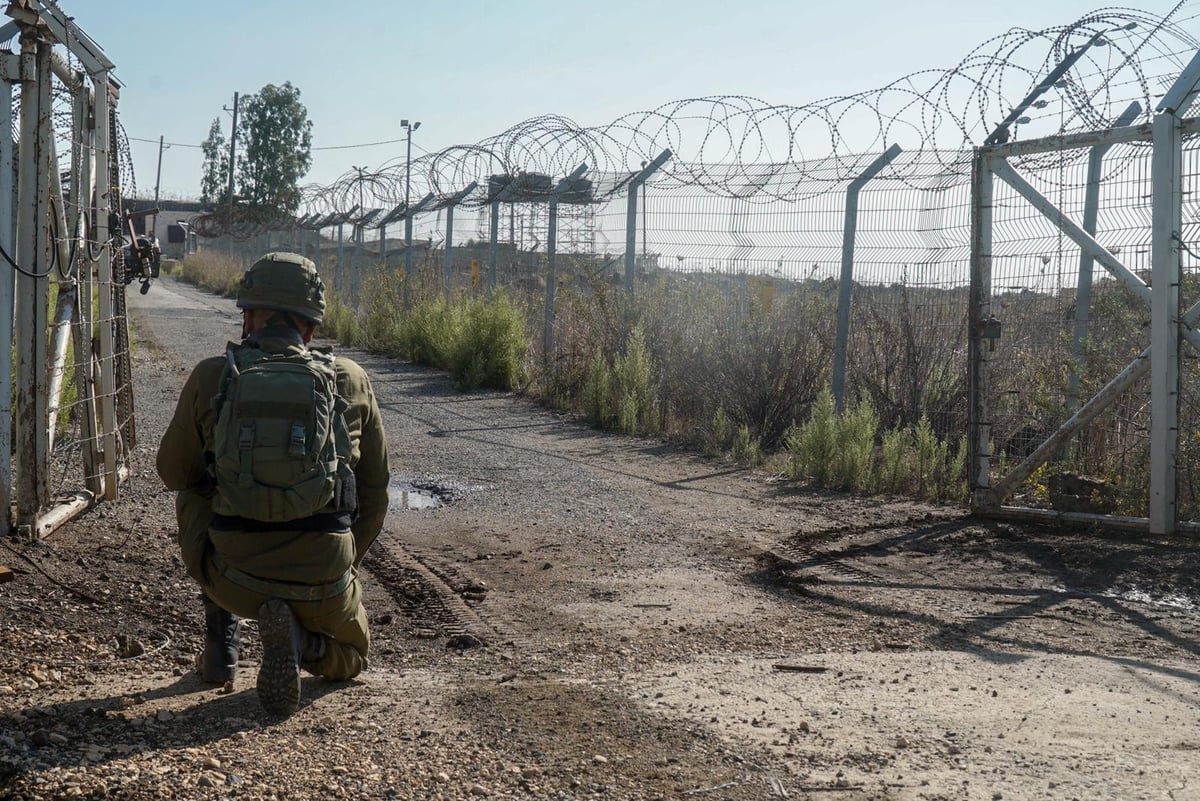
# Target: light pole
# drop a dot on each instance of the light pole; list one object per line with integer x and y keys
{"x": 408, "y": 226}
{"x": 359, "y": 240}
{"x": 361, "y": 207}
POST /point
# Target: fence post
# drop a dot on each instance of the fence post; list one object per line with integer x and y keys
{"x": 448, "y": 261}
{"x": 408, "y": 258}
{"x": 850, "y": 225}
{"x": 7, "y": 283}
{"x": 635, "y": 183}
{"x": 409, "y": 275}
{"x": 33, "y": 254}
{"x": 494, "y": 245}
{"x": 1083, "y": 292}
{"x": 1166, "y": 178}
{"x": 383, "y": 248}
{"x": 551, "y": 256}
{"x": 978, "y": 353}
{"x": 337, "y": 268}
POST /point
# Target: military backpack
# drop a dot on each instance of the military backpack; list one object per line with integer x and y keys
{"x": 281, "y": 449}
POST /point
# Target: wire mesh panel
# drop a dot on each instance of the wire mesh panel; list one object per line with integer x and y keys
{"x": 1065, "y": 326}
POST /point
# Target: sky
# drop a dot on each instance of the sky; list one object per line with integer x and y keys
{"x": 469, "y": 69}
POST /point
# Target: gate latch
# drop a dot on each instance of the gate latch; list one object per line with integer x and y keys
{"x": 989, "y": 329}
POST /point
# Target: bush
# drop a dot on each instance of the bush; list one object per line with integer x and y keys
{"x": 598, "y": 394}
{"x": 487, "y": 348}
{"x": 896, "y": 460}
{"x": 856, "y": 447}
{"x": 633, "y": 383}
{"x": 213, "y": 271}
{"x": 813, "y": 445}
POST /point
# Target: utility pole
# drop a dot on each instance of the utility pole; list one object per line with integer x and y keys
{"x": 232, "y": 154}
{"x": 157, "y": 180}
{"x": 408, "y": 220}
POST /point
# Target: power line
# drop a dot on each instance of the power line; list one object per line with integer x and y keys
{"x": 330, "y": 147}
{"x": 155, "y": 142}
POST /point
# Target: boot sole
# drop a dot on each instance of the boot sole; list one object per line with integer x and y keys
{"x": 279, "y": 674}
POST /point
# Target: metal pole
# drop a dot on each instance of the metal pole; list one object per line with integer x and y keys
{"x": 631, "y": 215}
{"x": 157, "y": 181}
{"x": 845, "y": 286}
{"x": 1164, "y": 322}
{"x": 448, "y": 260}
{"x": 232, "y": 153}
{"x": 551, "y": 253}
{"x": 7, "y": 285}
{"x": 408, "y": 222}
{"x": 383, "y": 247}
{"x": 979, "y": 352}
{"x": 33, "y": 254}
{"x": 1083, "y": 293}
{"x": 85, "y": 375}
{"x": 493, "y": 245}
{"x": 337, "y": 270}
{"x": 104, "y": 280}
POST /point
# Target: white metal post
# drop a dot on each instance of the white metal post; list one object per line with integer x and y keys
{"x": 631, "y": 205}
{"x": 1083, "y": 294}
{"x": 82, "y": 188}
{"x": 7, "y": 285}
{"x": 104, "y": 281}
{"x": 980, "y": 311}
{"x": 33, "y": 255}
{"x": 551, "y": 256}
{"x": 845, "y": 286}
{"x": 1164, "y": 321}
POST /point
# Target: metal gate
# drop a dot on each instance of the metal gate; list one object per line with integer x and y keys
{"x": 1084, "y": 393}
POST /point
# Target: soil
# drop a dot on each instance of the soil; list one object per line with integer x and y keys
{"x": 562, "y": 613}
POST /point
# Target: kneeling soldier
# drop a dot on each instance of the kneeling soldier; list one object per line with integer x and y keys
{"x": 279, "y": 457}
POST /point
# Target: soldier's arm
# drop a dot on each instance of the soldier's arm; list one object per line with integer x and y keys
{"x": 180, "y": 459}
{"x": 371, "y": 471}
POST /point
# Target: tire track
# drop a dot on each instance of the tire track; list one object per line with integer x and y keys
{"x": 426, "y": 598}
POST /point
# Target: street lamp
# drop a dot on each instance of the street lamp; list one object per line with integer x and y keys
{"x": 408, "y": 259}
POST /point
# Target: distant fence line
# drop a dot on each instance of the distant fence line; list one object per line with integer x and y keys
{"x": 873, "y": 247}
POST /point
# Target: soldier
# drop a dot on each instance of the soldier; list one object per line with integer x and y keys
{"x": 279, "y": 457}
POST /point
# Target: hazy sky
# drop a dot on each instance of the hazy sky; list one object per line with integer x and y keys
{"x": 468, "y": 69}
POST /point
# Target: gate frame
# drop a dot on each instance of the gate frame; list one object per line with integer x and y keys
{"x": 1160, "y": 360}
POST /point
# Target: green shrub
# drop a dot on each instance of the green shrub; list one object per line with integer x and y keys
{"x": 488, "y": 346}
{"x": 598, "y": 394}
{"x": 340, "y": 322}
{"x": 931, "y": 455}
{"x": 429, "y": 332}
{"x": 896, "y": 460}
{"x": 745, "y": 448}
{"x": 633, "y": 380}
{"x": 216, "y": 272}
{"x": 718, "y": 434}
{"x": 856, "y": 429}
{"x": 813, "y": 445}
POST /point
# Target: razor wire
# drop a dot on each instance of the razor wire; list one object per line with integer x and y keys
{"x": 740, "y": 146}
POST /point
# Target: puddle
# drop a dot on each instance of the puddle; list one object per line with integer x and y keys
{"x": 411, "y": 493}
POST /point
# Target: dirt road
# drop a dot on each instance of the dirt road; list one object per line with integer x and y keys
{"x": 561, "y": 613}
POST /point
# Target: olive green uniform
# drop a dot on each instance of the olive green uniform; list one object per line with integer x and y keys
{"x": 239, "y": 569}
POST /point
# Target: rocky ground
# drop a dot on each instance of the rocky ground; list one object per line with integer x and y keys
{"x": 560, "y": 613}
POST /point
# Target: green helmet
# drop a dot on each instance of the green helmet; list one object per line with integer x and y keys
{"x": 284, "y": 282}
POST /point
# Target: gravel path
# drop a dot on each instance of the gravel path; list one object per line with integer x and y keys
{"x": 561, "y": 613}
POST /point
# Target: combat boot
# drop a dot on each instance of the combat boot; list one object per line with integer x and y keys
{"x": 218, "y": 663}
{"x": 286, "y": 647}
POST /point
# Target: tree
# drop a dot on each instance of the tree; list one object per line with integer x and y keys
{"x": 276, "y": 137}
{"x": 214, "y": 182}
